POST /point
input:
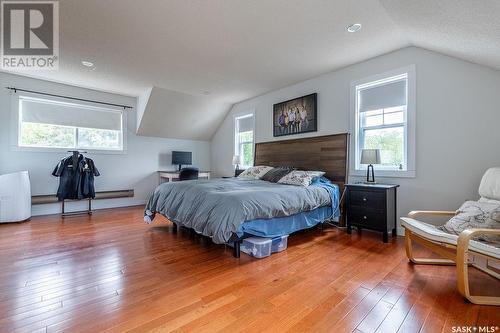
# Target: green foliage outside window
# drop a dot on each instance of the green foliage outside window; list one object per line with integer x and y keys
{"x": 44, "y": 135}
{"x": 98, "y": 138}
{"x": 246, "y": 148}
{"x": 247, "y": 156}
{"x": 391, "y": 143}
{"x": 54, "y": 136}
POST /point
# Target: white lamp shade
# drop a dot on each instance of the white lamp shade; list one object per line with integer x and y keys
{"x": 370, "y": 156}
{"x": 236, "y": 159}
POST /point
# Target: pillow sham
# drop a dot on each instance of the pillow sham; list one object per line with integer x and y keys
{"x": 277, "y": 173}
{"x": 300, "y": 178}
{"x": 255, "y": 172}
{"x": 475, "y": 214}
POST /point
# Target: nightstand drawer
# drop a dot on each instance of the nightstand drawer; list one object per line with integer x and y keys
{"x": 367, "y": 198}
{"x": 370, "y": 217}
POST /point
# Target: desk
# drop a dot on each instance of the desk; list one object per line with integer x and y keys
{"x": 172, "y": 176}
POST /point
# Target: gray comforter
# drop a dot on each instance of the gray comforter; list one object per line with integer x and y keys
{"x": 216, "y": 208}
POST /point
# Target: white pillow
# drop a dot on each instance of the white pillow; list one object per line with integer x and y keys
{"x": 255, "y": 172}
{"x": 490, "y": 184}
{"x": 300, "y": 178}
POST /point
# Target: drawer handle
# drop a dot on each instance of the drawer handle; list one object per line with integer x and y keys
{"x": 364, "y": 200}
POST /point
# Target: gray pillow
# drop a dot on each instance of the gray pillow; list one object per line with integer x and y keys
{"x": 276, "y": 174}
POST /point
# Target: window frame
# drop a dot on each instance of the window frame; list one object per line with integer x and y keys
{"x": 16, "y": 127}
{"x": 409, "y": 146}
{"x": 237, "y": 143}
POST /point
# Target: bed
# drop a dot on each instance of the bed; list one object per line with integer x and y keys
{"x": 229, "y": 210}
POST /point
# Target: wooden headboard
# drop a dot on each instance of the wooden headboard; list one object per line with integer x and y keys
{"x": 328, "y": 153}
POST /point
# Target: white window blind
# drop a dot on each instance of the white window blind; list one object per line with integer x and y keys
{"x": 383, "y": 96}
{"x": 245, "y": 124}
{"x": 67, "y": 114}
{"x": 57, "y": 124}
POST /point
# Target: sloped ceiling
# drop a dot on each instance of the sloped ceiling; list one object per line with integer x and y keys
{"x": 464, "y": 29}
{"x": 176, "y": 115}
{"x": 194, "y": 58}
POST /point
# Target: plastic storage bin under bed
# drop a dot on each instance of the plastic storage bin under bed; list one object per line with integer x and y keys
{"x": 260, "y": 247}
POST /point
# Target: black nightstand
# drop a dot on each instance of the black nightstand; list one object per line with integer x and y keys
{"x": 372, "y": 206}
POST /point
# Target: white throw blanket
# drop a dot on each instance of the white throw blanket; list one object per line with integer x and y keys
{"x": 476, "y": 214}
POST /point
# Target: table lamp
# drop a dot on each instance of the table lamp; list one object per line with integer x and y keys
{"x": 236, "y": 161}
{"x": 370, "y": 157}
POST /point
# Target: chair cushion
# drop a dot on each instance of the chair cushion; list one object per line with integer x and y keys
{"x": 475, "y": 214}
{"x": 433, "y": 233}
{"x": 490, "y": 184}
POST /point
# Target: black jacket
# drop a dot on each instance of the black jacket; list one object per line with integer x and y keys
{"x": 76, "y": 183}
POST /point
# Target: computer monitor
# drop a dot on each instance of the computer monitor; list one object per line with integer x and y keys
{"x": 181, "y": 158}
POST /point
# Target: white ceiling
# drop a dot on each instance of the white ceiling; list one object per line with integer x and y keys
{"x": 237, "y": 49}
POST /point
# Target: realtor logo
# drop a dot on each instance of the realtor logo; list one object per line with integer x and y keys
{"x": 30, "y": 35}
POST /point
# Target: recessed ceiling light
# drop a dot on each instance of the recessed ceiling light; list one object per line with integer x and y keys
{"x": 354, "y": 27}
{"x": 87, "y": 63}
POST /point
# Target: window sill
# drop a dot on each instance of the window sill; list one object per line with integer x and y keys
{"x": 385, "y": 173}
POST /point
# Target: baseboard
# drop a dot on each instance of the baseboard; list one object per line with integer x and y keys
{"x": 55, "y": 208}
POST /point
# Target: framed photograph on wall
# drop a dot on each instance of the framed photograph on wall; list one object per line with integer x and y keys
{"x": 296, "y": 116}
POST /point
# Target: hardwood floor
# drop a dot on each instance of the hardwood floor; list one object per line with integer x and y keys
{"x": 111, "y": 272}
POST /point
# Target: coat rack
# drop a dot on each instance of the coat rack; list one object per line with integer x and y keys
{"x": 76, "y": 155}
{"x": 80, "y": 212}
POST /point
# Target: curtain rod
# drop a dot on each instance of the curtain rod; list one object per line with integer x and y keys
{"x": 67, "y": 97}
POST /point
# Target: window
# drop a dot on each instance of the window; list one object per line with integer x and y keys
{"x": 52, "y": 123}
{"x": 244, "y": 136}
{"x": 383, "y": 118}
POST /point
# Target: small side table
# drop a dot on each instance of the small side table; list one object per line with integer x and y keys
{"x": 373, "y": 207}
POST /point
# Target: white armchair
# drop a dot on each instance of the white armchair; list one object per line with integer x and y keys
{"x": 15, "y": 197}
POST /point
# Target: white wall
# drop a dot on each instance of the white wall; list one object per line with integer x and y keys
{"x": 136, "y": 169}
{"x": 458, "y": 118}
